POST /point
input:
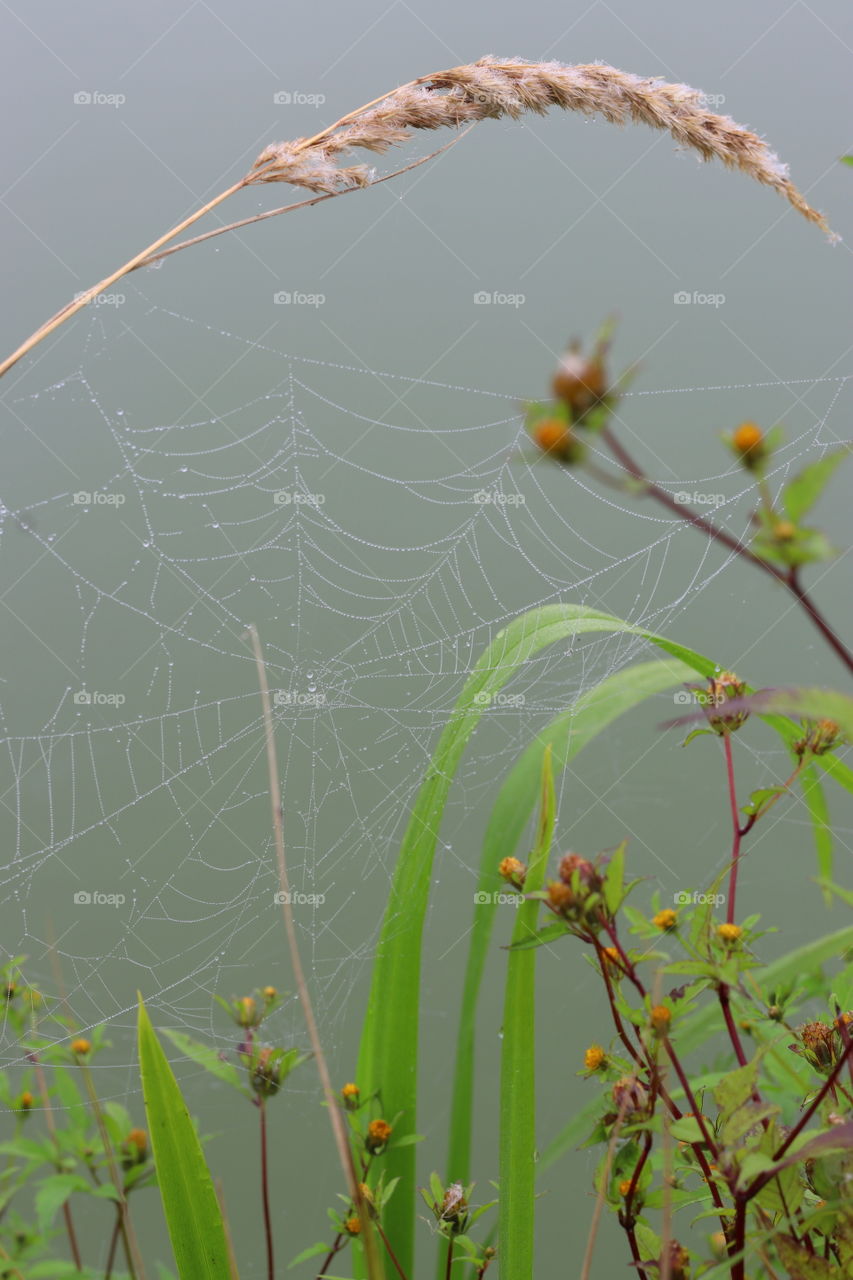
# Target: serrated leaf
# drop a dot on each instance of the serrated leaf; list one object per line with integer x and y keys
{"x": 736, "y": 1088}
{"x": 801, "y": 493}
{"x": 204, "y": 1056}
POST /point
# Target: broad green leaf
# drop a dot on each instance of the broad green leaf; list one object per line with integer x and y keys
{"x": 189, "y": 1199}
{"x": 614, "y": 879}
{"x": 52, "y": 1193}
{"x": 517, "y": 1146}
{"x": 388, "y": 1059}
{"x": 548, "y": 933}
{"x": 801, "y": 493}
{"x": 568, "y": 733}
{"x": 209, "y": 1058}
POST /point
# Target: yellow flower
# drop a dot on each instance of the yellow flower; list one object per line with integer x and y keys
{"x": 729, "y": 933}
{"x": 351, "y": 1095}
{"x": 661, "y": 1017}
{"x": 80, "y": 1048}
{"x": 748, "y": 442}
{"x": 666, "y": 920}
{"x": 624, "y": 1186}
{"x": 513, "y": 871}
{"x": 594, "y": 1057}
{"x": 269, "y": 993}
{"x": 378, "y": 1133}
{"x": 25, "y": 1101}
{"x": 352, "y": 1226}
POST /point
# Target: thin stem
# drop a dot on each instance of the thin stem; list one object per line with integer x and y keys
{"x": 88, "y": 294}
{"x": 299, "y": 204}
{"x": 790, "y": 580}
{"x": 128, "y": 1236}
{"x": 372, "y": 1258}
{"x": 725, "y": 1005}
{"x": 400, "y": 1272}
{"x": 736, "y": 831}
{"x": 602, "y": 1189}
{"x": 738, "y": 1243}
{"x": 265, "y": 1190}
{"x": 337, "y": 1245}
{"x": 114, "y": 1238}
{"x": 51, "y": 1128}
{"x": 449, "y": 1259}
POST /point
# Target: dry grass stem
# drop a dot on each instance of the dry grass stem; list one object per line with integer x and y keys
{"x": 484, "y": 90}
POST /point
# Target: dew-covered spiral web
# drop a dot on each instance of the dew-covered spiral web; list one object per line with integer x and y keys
{"x": 377, "y": 528}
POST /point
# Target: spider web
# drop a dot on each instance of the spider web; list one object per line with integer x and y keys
{"x": 378, "y": 529}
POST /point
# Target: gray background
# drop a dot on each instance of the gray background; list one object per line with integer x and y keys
{"x": 581, "y": 219}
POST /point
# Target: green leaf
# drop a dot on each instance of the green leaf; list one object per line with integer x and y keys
{"x": 388, "y": 1059}
{"x": 807, "y": 704}
{"x": 697, "y": 1028}
{"x": 204, "y": 1056}
{"x": 800, "y": 495}
{"x": 313, "y": 1250}
{"x": 516, "y": 1211}
{"x": 548, "y": 933}
{"x": 53, "y": 1192}
{"x": 614, "y": 879}
{"x": 568, "y": 733}
{"x": 758, "y": 799}
{"x": 189, "y": 1200}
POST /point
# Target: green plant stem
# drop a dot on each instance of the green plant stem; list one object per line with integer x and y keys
{"x": 128, "y": 1236}
{"x": 265, "y": 1189}
{"x": 789, "y": 580}
{"x": 51, "y": 1128}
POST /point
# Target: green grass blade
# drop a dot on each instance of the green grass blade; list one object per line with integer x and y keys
{"x": 568, "y": 733}
{"x": 389, "y": 1047}
{"x": 517, "y": 1177}
{"x": 189, "y": 1199}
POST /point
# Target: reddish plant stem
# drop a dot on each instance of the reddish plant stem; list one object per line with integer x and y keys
{"x": 725, "y": 1004}
{"x": 738, "y": 1243}
{"x": 337, "y": 1245}
{"x": 845, "y": 1039}
{"x": 449, "y": 1259}
{"x": 265, "y": 1190}
{"x": 382, "y": 1236}
{"x": 788, "y": 580}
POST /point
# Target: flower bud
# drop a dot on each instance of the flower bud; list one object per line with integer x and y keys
{"x": 378, "y": 1133}
{"x": 666, "y": 920}
{"x": 722, "y": 689}
{"x": 81, "y": 1047}
{"x": 513, "y": 871}
{"x": 580, "y": 381}
{"x": 631, "y": 1098}
{"x": 557, "y": 439}
{"x": 351, "y": 1095}
{"x": 594, "y": 1058}
{"x": 749, "y": 444}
